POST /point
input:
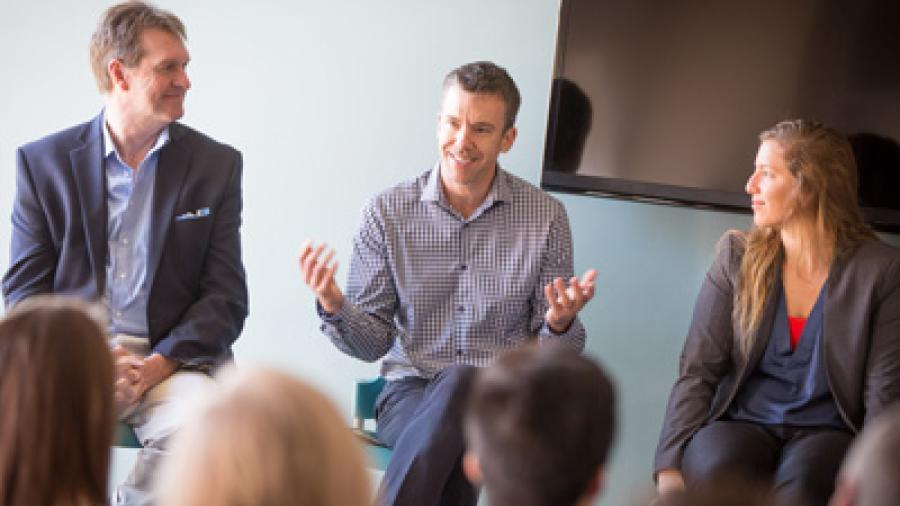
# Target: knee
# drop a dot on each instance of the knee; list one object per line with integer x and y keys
{"x": 715, "y": 454}
{"x": 457, "y": 374}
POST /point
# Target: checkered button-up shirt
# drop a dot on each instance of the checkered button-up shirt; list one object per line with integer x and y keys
{"x": 429, "y": 288}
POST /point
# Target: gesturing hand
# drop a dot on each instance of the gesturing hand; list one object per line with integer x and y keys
{"x": 566, "y": 301}
{"x": 318, "y": 274}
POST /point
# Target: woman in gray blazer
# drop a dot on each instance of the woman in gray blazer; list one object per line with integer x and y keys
{"x": 795, "y": 339}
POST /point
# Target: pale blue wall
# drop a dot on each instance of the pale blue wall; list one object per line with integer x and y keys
{"x": 331, "y": 101}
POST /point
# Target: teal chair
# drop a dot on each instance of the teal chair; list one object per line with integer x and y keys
{"x": 366, "y": 393}
{"x": 125, "y": 437}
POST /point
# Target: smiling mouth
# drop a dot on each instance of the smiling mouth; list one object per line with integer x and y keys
{"x": 461, "y": 159}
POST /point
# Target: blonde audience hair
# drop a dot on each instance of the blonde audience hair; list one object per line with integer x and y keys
{"x": 56, "y": 404}
{"x": 822, "y": 160}
{"x": 265, "y": 438}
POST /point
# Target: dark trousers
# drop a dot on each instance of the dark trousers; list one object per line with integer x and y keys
{"x": 800, "y": 464}
{"x": 422, "y": 421}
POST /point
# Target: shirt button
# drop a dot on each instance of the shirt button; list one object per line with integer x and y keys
{"x": 460, "y": 309}
{"x": 118, "y": 314}
{"x": 125, "y": 240}
{"x": 459, "y": 353}
{"x": 122, "y": 275}
{"x": 462, "y": 267}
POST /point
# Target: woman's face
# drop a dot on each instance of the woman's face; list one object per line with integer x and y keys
{"x": 773, "y": 189}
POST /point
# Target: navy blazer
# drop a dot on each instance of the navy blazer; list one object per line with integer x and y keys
{"x": 198, "y": 293}
{"x": 860, "y": 335}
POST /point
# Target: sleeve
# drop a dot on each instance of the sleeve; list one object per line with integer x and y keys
{"x": 556, "y": 263}
{"x": 705, "y": 360}
{"x": 210, "y": 325}
{"x": 364, "y": 326}
{"x": 882, "y": 383}
{"x": 32, "y": 256}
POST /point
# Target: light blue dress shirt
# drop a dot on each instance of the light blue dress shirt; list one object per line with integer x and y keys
{"x": 129, "y": 200}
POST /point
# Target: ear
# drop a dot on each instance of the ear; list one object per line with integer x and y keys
{"x": 509, "y": 137}
{"x": 115, "y": 69}
{"x": 472, "y": 468}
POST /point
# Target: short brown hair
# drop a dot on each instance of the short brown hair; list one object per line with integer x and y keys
{"x": 541, "y": 422}
{"x": 118, "y": 36}
{"x": 56, "y": 400}
{"x": 487, "y": 77}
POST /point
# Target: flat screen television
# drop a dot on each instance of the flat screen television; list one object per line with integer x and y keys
{"x": 664, "y": 100}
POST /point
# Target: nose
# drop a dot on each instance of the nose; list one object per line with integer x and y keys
{"x": 751, "y": 186}
{"x": 463, "y": 136}
{"x": 182, "y": 80}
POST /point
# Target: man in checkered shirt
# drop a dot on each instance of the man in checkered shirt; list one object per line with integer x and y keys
{"x": 448, "y": 271}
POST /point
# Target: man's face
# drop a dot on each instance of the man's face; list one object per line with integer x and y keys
{"x": 158, "y": 83}
{"x": 471, "y": 136}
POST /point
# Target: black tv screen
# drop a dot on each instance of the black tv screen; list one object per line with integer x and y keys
{"x": 664, "y": 101}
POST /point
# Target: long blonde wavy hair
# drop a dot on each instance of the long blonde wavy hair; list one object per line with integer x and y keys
{"x": 822, "y": 161}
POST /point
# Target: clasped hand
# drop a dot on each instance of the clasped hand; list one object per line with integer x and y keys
{"x": 136, "y": 374}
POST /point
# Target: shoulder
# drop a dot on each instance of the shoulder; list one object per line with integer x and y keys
{"x": 730, "y": 251}
{"x": 531, "y": 199}
{"x": 62, "y": 141}
{"x": 873, "y": 262}
{"x": 399, "y": 197}
{"x": 196, "y": 141}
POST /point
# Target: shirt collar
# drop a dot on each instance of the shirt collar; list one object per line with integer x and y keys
{"x": 109, "y": 146}
{"x": 433, "y": 192}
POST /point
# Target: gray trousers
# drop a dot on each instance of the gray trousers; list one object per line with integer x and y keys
{"x": 154, "y": 420}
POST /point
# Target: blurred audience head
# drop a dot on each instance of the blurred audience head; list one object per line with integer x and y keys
{"x": 539, "y": 426}
{"x": 870, "y": 475}
{"x": 264, "y": 437}
{"x": 56, "y": 404}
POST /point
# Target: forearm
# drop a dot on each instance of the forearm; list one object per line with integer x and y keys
{"x": 358, "y": 333}
{"x": 574, "y": 336}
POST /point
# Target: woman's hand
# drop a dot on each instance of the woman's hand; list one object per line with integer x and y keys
{"x": 669, "y": 481}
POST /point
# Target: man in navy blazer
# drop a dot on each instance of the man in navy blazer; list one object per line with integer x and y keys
{"x": 141, "y": 214}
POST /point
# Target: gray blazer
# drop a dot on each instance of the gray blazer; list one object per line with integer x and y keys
{"x": 861, "y": 336}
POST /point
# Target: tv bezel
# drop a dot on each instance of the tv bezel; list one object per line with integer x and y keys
{"x": 882, "y": 219}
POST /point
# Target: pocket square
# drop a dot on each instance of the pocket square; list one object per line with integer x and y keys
{"x": 203, "y": 212}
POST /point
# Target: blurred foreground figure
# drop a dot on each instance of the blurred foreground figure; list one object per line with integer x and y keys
{"x": 265, "y": 438}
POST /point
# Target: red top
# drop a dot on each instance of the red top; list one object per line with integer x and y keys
{"x": 796, "y": 324}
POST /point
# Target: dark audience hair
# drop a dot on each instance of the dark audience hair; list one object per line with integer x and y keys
{"x": 56, "y": 404}
{"x": 541, "y": 422}
{"x": 487, "y": 77}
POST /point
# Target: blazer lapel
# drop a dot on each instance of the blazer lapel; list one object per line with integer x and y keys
{"x": 173, "y": 166}
{"x": 87, "y": 170}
